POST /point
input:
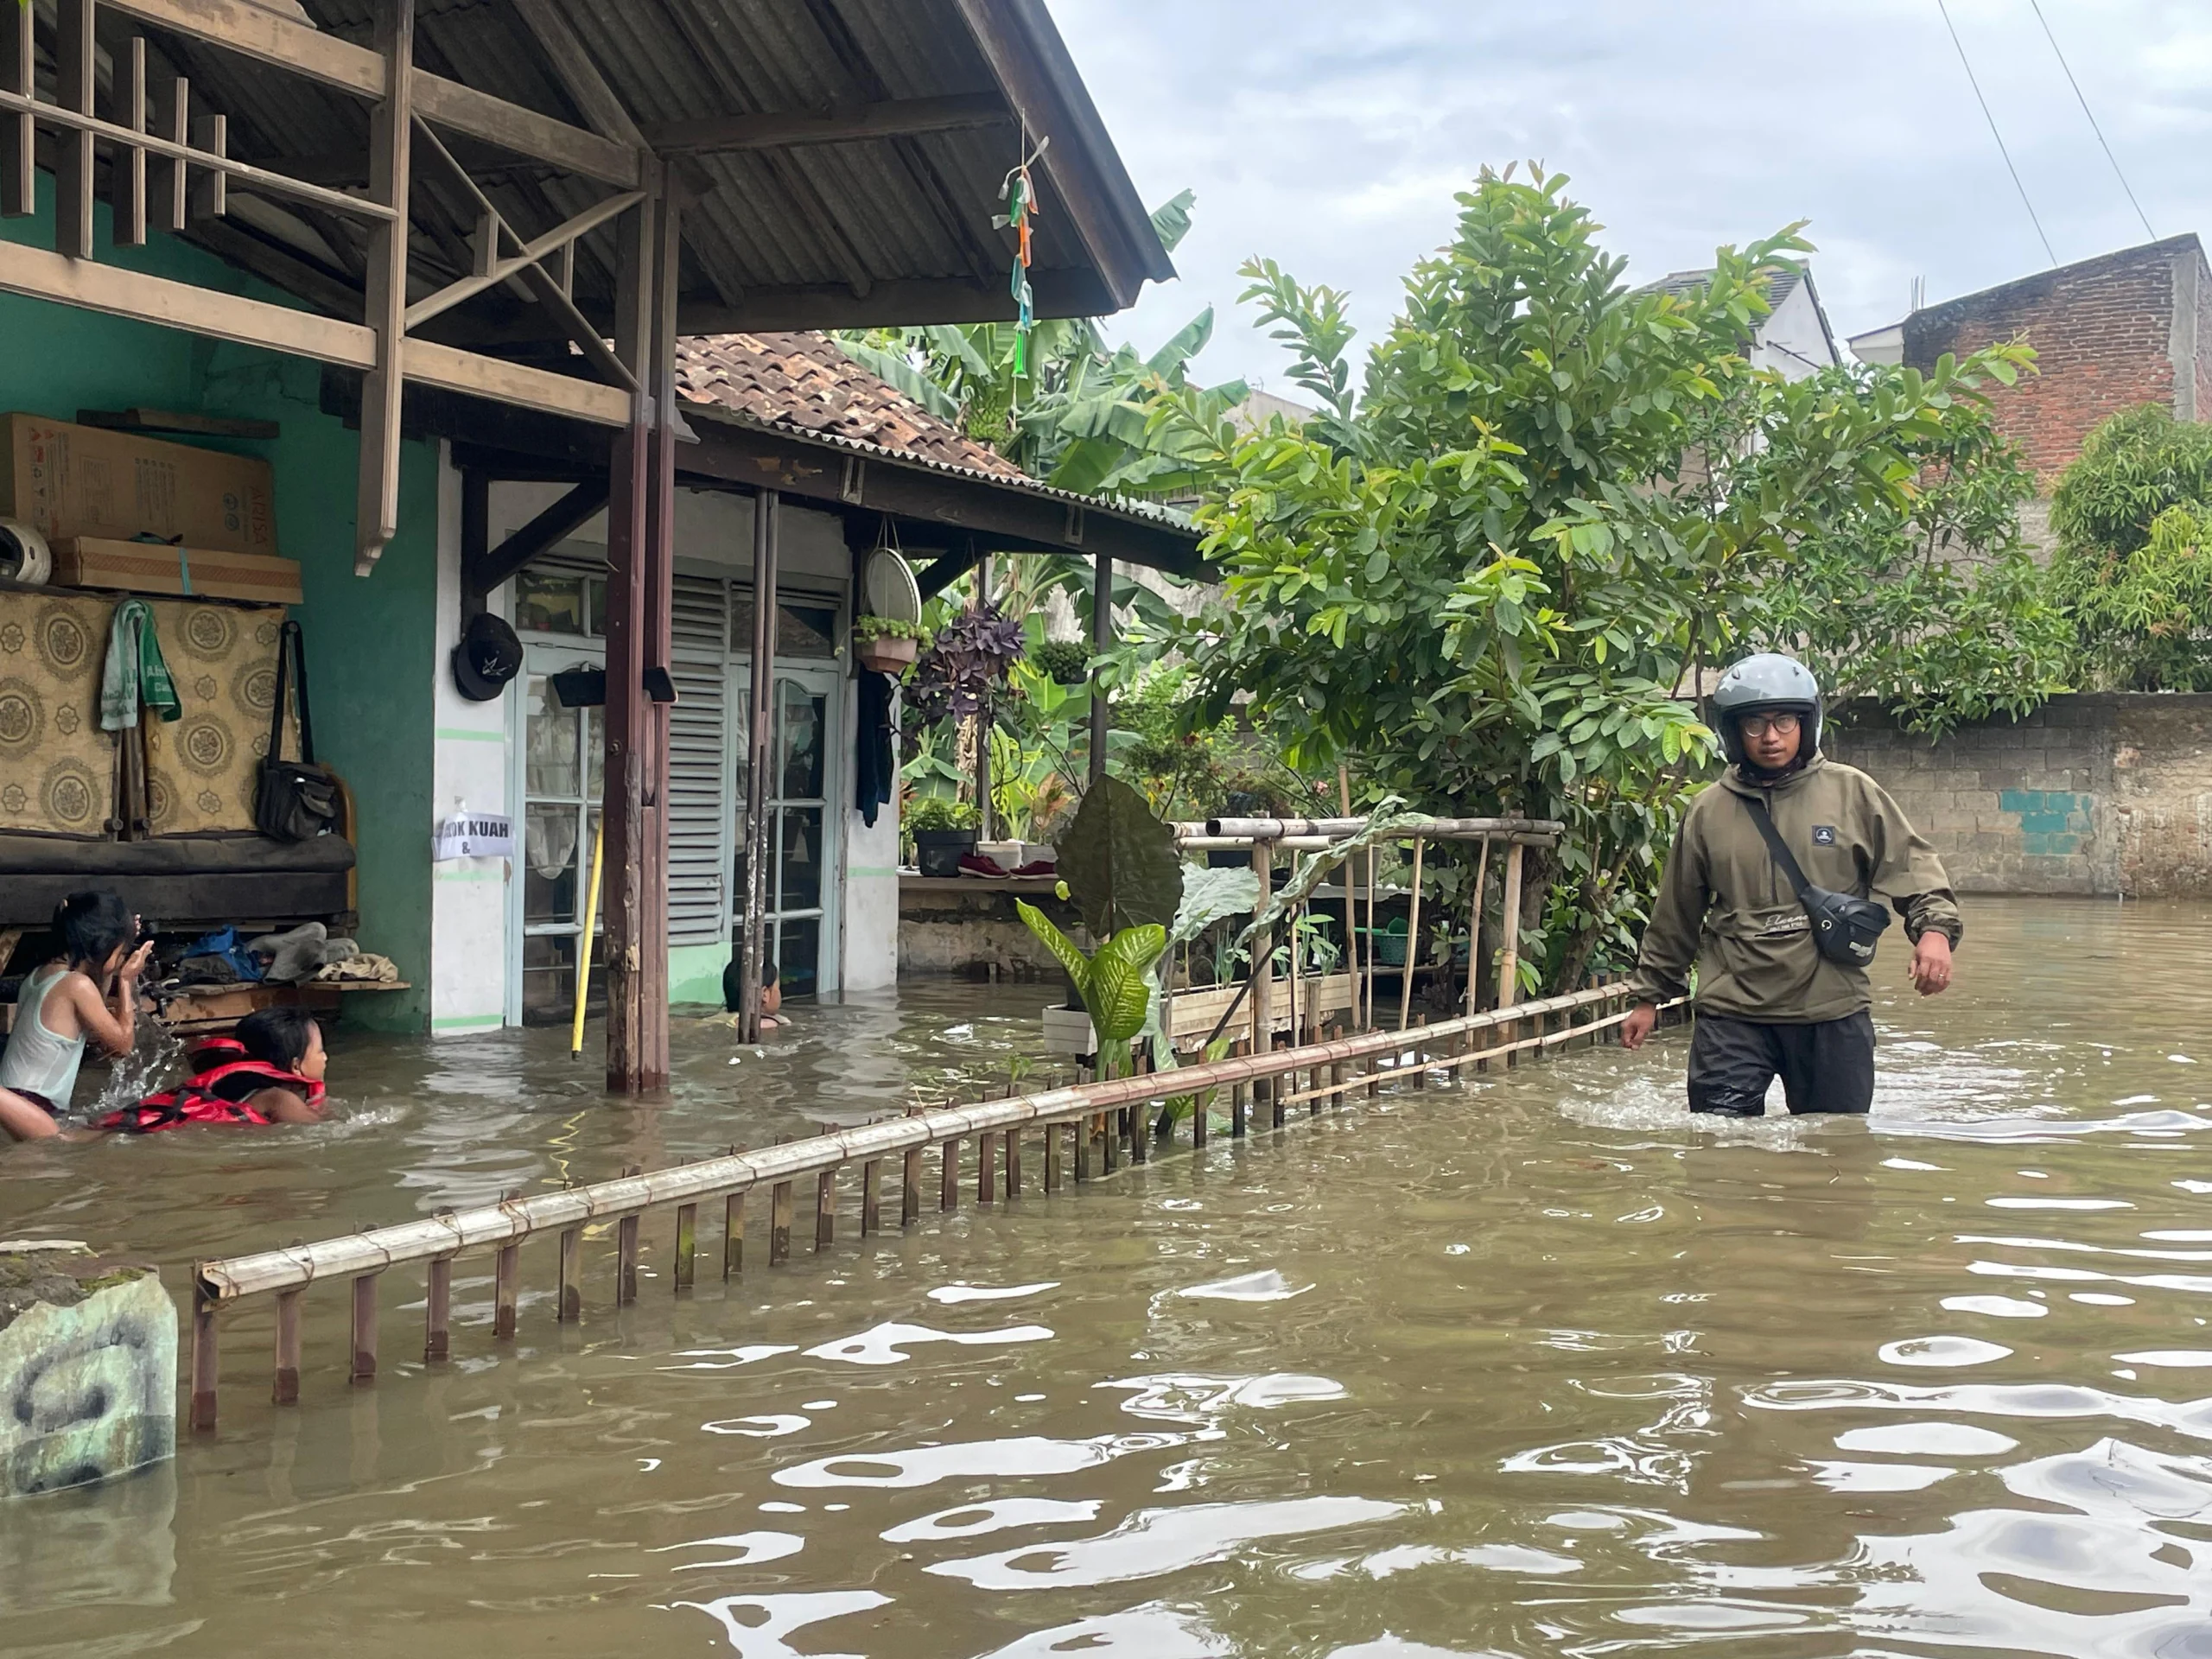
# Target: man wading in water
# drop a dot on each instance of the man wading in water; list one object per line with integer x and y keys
{"x": 1782, "y": 954}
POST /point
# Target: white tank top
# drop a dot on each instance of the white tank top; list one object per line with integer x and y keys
{"x": 37, "y": 1061}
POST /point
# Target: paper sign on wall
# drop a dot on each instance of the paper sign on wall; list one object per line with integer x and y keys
{"x": 475, "y": 834}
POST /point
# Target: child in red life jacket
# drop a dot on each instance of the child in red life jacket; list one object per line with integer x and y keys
{"x": 269, "y": 1072}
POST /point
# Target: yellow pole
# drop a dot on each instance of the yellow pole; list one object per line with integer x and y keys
{"x": 583, "y": 945}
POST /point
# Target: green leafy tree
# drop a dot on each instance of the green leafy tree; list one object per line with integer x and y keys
{"x": 1488, "y": 576}
{"x": 2132, "y": 515}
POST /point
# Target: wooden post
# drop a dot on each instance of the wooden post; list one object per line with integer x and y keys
{"x": 203, "y": 1362}
{"x": 625, "y": 1260}
{"x": 1262, "y": 972}
{"x": 75, "y": 77}
{"x": 365, "y": 1329}
{"x": 986, "y": 1168}
{"x": 1054, "y": 1142}
{"x": 506, "y": 1272}
{"x": 759, "y": 730}
{"x": 658, "y": 371}
{"x": 391, "y": 137}
{"x": 1239, "y": 1099}
{"x": 570, "y": 1309}
{"x": 18, "y": 132}
{"x": 910, "y": 1187}
{"x": 287, "y": 1389}
{"x": 437, "y": 1310}
{"x": 1102, "y": 636}
{"x": 871, "y": 1197}
{"x": 1014, "y": 1163}
{"x": 779, "y": 1223}
{"x": 948, "y": 1186}
{"x": 733, "y": 1234}
{"x": 825, "y": 1209}
{"x": 1413, "y": 942}
{"x": 1475, "y": 949}
{"x": 1509, "y": 959}
{"x": 628, "y": 722}
{"x": 687, "y": 1245}
{"x": 1351, "y": 897}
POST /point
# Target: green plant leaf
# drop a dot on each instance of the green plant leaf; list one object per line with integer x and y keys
{"x": 1119, "y": 860}
{"x": 1069, "y": 954}
{"x": 1120, "y": 984}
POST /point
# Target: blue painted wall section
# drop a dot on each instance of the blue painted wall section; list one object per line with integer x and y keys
{"x": 2054, "y": 823}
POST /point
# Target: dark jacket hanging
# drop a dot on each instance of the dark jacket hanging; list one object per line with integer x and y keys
{"x": 876, "y": 766}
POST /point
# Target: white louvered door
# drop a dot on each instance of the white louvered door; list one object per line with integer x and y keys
{"x": 699, "y": 793}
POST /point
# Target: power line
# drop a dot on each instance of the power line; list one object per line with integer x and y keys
{"x": 1993, "y": 132}
{"x": 2094, "y": 127}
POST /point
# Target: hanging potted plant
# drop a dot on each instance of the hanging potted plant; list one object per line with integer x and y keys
{"x": 886, "y": 644}
{"x": 944, "y": 832}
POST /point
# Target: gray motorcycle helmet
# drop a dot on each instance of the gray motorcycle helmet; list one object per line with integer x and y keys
{"x": 1768, "y": 682}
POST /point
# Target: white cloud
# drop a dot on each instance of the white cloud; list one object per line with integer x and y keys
{"x": 1331, "y": 135}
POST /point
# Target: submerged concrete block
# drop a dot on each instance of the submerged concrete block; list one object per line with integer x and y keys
{"x": 87, "y": 1368}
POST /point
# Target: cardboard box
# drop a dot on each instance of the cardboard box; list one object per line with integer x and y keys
{"x": 81, "y": 481}
{"x": 187, "y": 572}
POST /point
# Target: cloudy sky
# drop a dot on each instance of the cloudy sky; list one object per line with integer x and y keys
{"x": 1331, "y": 134}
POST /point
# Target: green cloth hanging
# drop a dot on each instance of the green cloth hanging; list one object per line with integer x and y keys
{"x": 135, "y": 671}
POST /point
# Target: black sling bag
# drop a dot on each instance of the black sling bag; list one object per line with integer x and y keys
{"x": 297, "y": 800}
{"x": 1845, "y": 929}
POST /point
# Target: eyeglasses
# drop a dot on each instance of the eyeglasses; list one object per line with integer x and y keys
{"x": 1760, "y": 725}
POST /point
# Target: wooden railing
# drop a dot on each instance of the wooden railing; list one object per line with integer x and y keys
{"x": 1073, "y": 1123}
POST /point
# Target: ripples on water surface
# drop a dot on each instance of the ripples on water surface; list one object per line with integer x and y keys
{"x": 1532, "y": 1368}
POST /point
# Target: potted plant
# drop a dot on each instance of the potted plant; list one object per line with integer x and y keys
{"x": 944, "y": 831}
{"x": 886, "y": 644}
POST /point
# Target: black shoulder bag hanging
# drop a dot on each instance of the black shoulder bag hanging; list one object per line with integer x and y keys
{"x": 1845, "y": 929}
{"x": 297, "y": 800}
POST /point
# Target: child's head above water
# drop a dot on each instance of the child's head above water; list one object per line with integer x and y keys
{"x": 287, "y": 1038}
{"x": 95, "y": 929}
{"x": 771, "y": 990}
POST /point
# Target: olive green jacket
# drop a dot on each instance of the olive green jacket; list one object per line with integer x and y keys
{"x": 1724, "y": 906}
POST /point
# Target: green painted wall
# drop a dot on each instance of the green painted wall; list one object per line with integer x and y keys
{"x": 694, "y": 973}
{"x": 370, "y": 642}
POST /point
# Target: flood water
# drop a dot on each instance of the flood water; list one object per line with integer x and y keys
{"x": 1534, "y": 1366}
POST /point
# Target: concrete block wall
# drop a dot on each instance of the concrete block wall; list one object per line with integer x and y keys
{"x": 2093, "y": 794}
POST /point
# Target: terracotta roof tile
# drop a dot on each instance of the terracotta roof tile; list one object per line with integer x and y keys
{"x": 803, "y": 382}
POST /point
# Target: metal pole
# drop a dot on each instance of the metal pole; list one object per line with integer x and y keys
{"x": 1102, "y": 636}
{"x": 759, "y": 731}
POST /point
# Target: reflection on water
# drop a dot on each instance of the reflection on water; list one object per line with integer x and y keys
{"x": 1531, "y": 1366}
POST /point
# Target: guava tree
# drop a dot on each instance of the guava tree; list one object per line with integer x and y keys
{"x": 1489, "y": 572}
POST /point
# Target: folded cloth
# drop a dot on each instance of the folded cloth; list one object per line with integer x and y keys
{"x": 135, "y": 671}
{"x": 222, "y": 945}
{"x": 363, "y": 967}
{"x": 292, "y": 956}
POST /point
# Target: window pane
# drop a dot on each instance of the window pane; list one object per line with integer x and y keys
{"x": 595, "y": 606}
{"x": 549, "y": 980}
{"x": 594, "y": 752}
{"x": 798, "y": 957}
{"x": 806, "y": 630}
{"x": 546, "y": 602}
{"x": 551, "y": 743}
{"x": 799, "y": 866}
{"x": 801, "y": 719}
{"x": 549, "y": 883}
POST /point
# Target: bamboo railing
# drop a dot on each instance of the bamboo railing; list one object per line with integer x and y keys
{"x": 1070, "y": 1120}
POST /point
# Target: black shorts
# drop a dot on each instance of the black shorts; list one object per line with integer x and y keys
{"x": 38, "y": 1101}
{"x": 1828, "y": 1067}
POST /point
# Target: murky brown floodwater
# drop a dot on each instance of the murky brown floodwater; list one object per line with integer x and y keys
{"x": 1533, "y": 1368}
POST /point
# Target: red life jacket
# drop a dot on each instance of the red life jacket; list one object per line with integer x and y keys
{"x": 194, "y": 1100}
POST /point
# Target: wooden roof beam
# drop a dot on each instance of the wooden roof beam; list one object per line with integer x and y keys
{"x": 839, "y": 124}
{"x": 268, "y": 37}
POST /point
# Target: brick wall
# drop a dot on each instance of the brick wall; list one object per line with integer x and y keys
{"x": 2110, "y": 333}
{"x": 2094, "y": 794}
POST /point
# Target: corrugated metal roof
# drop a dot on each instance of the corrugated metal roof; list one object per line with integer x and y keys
{"x": 893, "y": 230}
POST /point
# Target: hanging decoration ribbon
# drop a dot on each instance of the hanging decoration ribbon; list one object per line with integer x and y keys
{"x": 1020, "y": 191}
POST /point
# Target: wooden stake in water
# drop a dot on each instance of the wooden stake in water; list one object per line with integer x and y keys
{"x": 733, "y": 1234}
{"x": 687, "y": 1243}
{"x": 910, "y": 1186}
{"x": 825, "y": 1209}
{"x": 365, "y": 1329}
{"x": 570, "y": 1306}
{"x": 437, "y": 1312}
{"x": 204, "y": 1364}
{"x": 779, "y": 1223}
{"x": 871, "y": 1197}
{"x": 1509, "y": 958}
{"x": 1413, "y": 943}
{"x": 287, "y": 1389}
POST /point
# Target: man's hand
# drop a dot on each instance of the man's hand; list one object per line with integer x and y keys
{"x": 1637, "y": 1025}
{"x": 1931, "y": 963}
